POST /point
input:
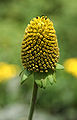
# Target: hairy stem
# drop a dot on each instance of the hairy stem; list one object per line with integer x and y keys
{"x": 34, "y": 96}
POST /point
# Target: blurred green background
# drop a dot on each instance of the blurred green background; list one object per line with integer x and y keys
{"x": 58, "y": 101}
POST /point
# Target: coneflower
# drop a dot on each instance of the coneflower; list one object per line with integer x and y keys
{"x": 40, "y": 54}
{"x": 40, "y": 50}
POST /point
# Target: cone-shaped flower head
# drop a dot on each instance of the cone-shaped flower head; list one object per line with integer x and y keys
{"x": 40, "y": 50}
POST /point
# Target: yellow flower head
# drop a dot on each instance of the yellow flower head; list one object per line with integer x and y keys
{"x": 71, "y": 66}
{"x": 7, "y": 71}
{"x": 40, "y": 50}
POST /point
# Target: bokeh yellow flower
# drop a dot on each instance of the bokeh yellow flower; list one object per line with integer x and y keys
{"x": 7, "y": 71}
{"x": 70, "y": 66}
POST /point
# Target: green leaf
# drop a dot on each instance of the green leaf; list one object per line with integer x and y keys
{"x": 25, "y": 75}
{"x": 23, "y": 78}
{"x": 40, "y": 79}
{"x": 39, "y": 75}
{"x": 50, "y": 79}
{"x": 25, "y": 71}
{"x": 44, "y": 83}
{"x": 43, "y": 79}
{"x": 21, "y": 72}
{"x": 59, "y": 67}
{"x": 39, "y": 83}
{"x": 54, "y": 76}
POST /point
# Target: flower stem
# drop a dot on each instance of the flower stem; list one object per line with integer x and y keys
{"x": 33, "y": 101}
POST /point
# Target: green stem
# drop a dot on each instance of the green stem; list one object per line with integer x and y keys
{"x": 33, "y": 101}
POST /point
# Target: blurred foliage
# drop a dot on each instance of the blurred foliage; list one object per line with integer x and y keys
{"x": 60, "y": 98}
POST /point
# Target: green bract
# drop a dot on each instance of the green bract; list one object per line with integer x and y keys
{"x": 41, "y": 79}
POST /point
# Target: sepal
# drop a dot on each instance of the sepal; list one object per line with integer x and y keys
{"x": 59, "y": 67}
{"x": 50, "y": 79}
{"x": 24, "y": 75}
{"x": 43, "y": 79}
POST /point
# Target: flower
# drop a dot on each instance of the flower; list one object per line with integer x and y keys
{"x": 40, "y": 50}
{"x": 7, "y": 71}
{"x": 71, "y": 66}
